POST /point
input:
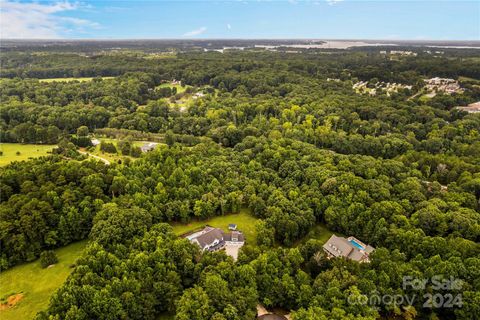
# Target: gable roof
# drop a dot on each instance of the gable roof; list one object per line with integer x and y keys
{"x": 228, "y": 236}
{"x": 338, "y": 246}
{"x": 350, "y": 248}
{"x": 209, "y": 236}
{"x": 148, "y": 146}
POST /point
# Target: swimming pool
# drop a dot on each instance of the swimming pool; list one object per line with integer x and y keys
{"x": 356, "y": 244}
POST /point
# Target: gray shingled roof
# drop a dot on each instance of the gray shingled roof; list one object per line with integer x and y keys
{"x": 228, "y": 236}
{"x": 209, "y": 237}
{"x": 338, "y": 246}
{"x": 341, "y": 247}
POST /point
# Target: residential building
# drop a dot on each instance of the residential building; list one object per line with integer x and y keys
{"x": 446, "y": 85}
{"x": 209, "y": 238}
{"x": 349, "y": 248}
{"x": 214, "y": 239}
{"x": 198, "y": 95}
{"x": 95, "y": 142}
{"x": 234, "y": 237}
{"x": 148, "y": 146}
{"x": 403, "y": 53}
{"x": 471, "y": 108}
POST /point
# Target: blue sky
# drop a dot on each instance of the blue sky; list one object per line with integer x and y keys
{"x": 320, "y": 19}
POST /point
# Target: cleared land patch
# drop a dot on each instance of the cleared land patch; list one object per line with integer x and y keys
{"x": 318, "y": 232}
{"x": 113, "y": 157}
{"x": 81, "y": 79}
{"x": 31, "y": 286}
{"x": 179, "y": 87}
{"x": 25, "y": 151}
{"x": 244, "y": 220}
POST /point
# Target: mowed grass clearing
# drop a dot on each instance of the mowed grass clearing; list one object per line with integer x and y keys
{"x": 81, "y": 79}
{"x": 114, "y": 157}
{"x": 180, "y": 89}
{"x": 318, "y": 232}
{"x": 36, "y": 284}
{"x": 244, "y": 220}
{"x": 26, "y": 151}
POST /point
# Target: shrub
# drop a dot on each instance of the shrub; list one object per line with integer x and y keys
{"x": 108, "y": 147}
{"x": 47, "y": 258}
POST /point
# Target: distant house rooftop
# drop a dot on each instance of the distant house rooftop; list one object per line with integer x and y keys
{"x": 471, "y": 108}
{"x": 148, "y": 146}
{"x": 350, "y": 248}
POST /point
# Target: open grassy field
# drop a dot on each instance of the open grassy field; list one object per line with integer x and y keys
{"x": 83, "y": 79}
{"x": 244, "y": 220}
{"x": 9, "y": 151}
{"x": 180, "y": 89}
{"x": 112, "y": 157}
{"x": 36, "y": 284}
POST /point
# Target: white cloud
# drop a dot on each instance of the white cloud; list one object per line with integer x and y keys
{"x": 20, "y": 20}
{"x": 333, "y": 2}
{"x": 195, "y": 32}
{"x": 229, "y": 26}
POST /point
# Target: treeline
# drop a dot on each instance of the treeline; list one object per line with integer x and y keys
{"x": 275, "y": 180}
{"x": 47, "y": 203}
{"x": 363, "y": 64}
{"x": 272, "y": 135}
{"x": 137, "y": 269}
{"x": 332, "y": 116}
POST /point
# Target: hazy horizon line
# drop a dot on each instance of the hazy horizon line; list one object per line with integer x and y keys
{"x": 256, "y": 39}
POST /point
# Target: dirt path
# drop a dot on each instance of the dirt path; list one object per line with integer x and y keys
{"x": 96, "y": 157}
{"x": 11, "y": 301}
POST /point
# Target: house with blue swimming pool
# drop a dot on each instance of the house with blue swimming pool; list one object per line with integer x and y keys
{"x": 349, "y": 248}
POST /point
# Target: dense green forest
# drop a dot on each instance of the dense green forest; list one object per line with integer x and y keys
{"x": 282, "y": 134}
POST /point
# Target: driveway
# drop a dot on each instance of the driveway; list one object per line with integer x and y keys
{"x": 232, "y": 250}
{"x": 96, "y": 157}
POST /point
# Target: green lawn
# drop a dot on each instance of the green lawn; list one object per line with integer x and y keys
{"x": 112, "y": 157}
{"x": 319, "y": 232}
{"x": 83, "y": 79}
{"x": 180, "y": 89}
{"x": 467, "y": 79}
{"x": 36, "y": 284}
{"x": 244, "y": 220}
{"x": 26, "y": 151}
